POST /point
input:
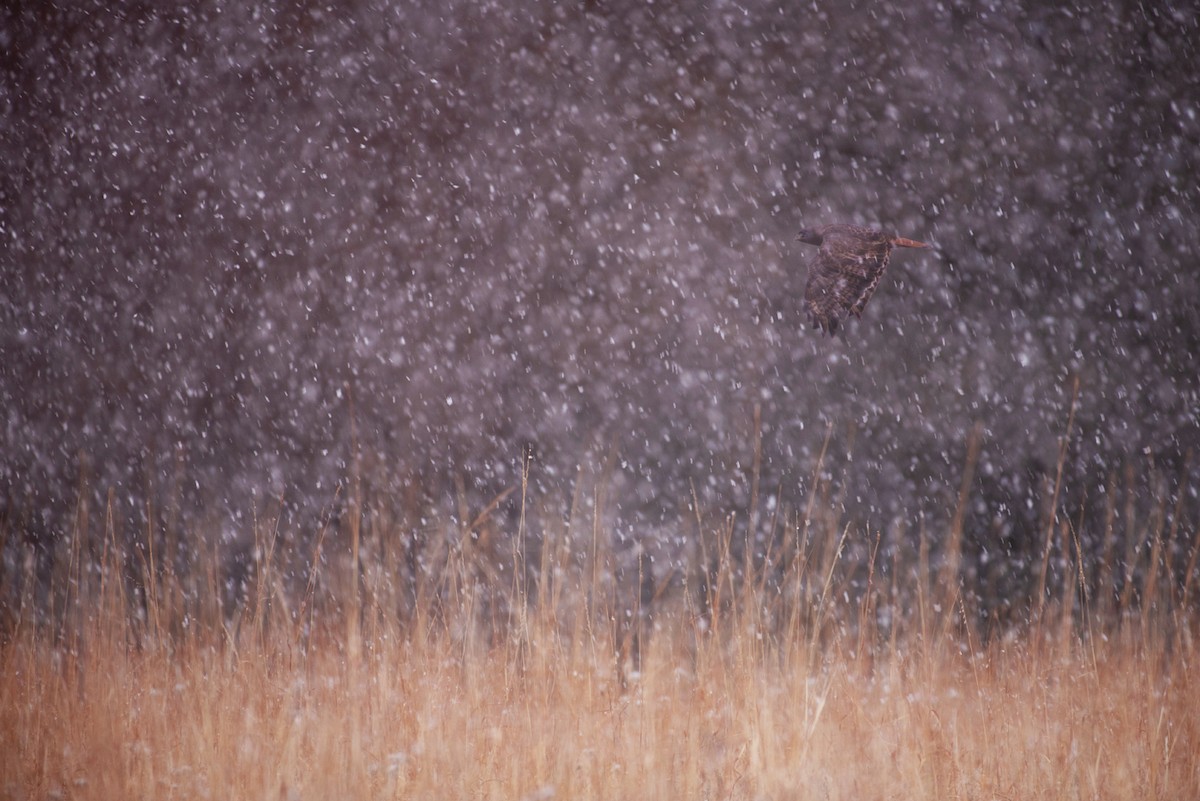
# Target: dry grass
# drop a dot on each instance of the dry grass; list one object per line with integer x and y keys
{"x": 482, "y": 681}
{"x": 432, "y": 720}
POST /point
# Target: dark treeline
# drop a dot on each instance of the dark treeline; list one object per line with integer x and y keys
{"x": 253, "y": 252}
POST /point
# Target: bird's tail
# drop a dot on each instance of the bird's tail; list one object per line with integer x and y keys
{"x": 901, "y": 242}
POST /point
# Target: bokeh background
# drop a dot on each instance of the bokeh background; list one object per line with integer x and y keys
{"x": 249, "y": 249}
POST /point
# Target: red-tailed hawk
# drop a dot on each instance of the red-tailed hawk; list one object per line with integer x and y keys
{"x": 847, "y": 268}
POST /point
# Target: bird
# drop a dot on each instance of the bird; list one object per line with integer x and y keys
{"x": 846, "y": 270}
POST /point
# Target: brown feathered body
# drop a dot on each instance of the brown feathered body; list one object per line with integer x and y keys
{"x": 846, "y": 270}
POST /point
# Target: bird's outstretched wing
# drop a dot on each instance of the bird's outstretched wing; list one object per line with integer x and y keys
{"x": 841, "y": 279}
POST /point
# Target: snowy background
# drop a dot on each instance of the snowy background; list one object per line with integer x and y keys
{"x": 241, "y": 242}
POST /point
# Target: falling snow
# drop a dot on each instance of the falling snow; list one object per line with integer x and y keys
{"x": 254, "y": 245}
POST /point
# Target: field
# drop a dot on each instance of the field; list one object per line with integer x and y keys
{"x": 471, "y": 655}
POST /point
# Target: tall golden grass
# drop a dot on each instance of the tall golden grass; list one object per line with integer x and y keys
{"x": 456, "y": 655}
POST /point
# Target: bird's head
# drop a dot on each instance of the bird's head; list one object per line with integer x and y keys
{"x": 810, "y": 236}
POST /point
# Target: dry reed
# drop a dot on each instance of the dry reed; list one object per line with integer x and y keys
{"x": 497, "y": 670}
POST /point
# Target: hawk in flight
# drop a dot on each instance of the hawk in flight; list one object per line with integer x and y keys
{"x": 847, "y": 268}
